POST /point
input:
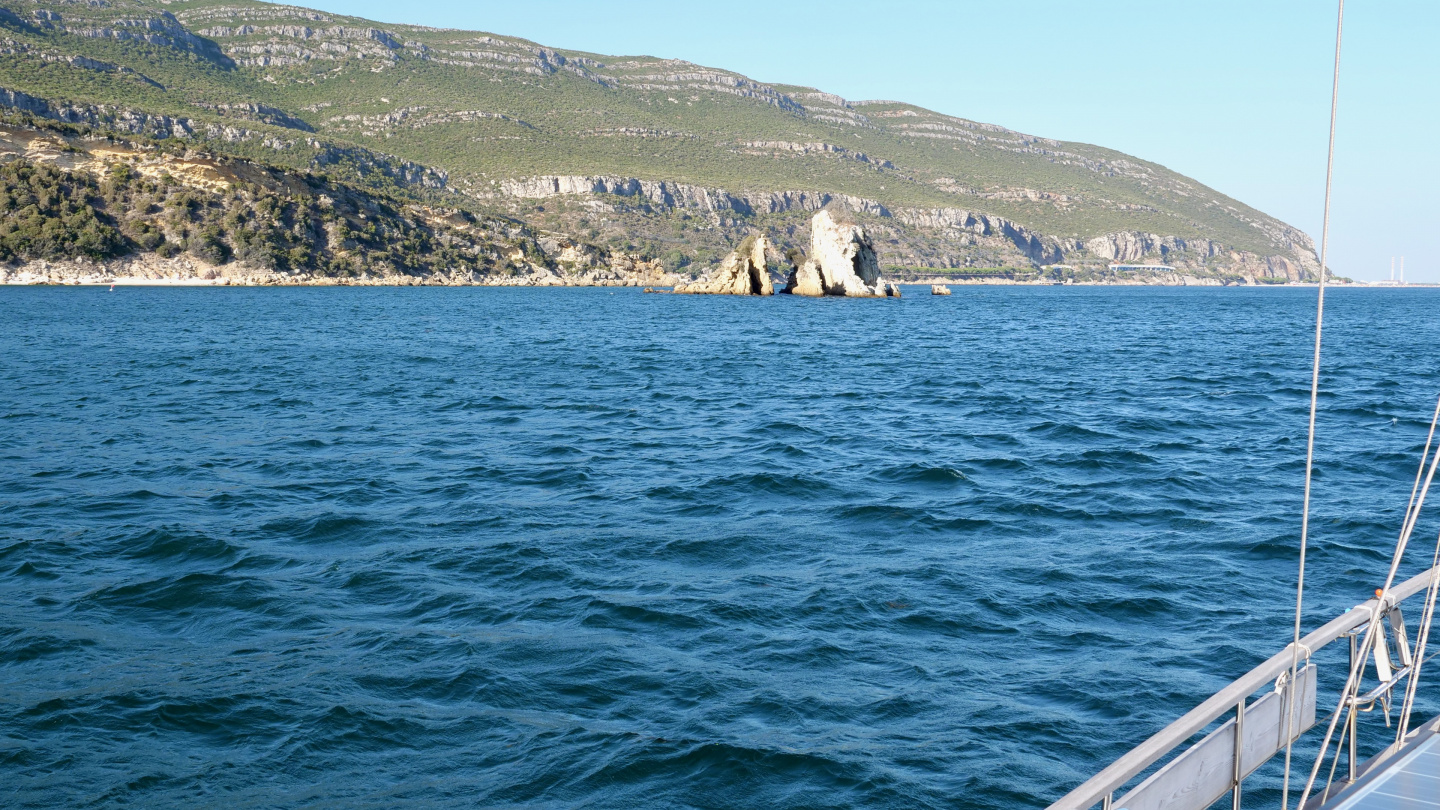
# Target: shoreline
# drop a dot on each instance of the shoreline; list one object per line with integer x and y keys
{"x": 134, "y": 281}
{"x": 153, "y": 271}
{"x": 140, "y": 281}
{"x": 184, "y": 271}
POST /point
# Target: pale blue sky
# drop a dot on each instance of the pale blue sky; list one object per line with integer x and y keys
{"x": 1235, "y": 94}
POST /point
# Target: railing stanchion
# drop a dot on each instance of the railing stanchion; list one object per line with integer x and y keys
{"x": 1352, "y": 757}
{"x": 1239, "y": 753}
{"x": 1354, "y": 710}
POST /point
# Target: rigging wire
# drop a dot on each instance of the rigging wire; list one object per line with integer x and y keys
{"x": 1357, "y": 665}
{"x": 1427, "y": 615}
{"x": 1422, "y": 637}
{"x": 1314, "y": 402}
{"x": 1352, "y": 683}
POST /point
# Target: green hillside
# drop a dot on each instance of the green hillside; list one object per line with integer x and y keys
{"x": 307, "y": 90}
{"x": 79, "y": 207}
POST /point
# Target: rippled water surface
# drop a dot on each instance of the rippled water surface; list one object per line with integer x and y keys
{"x": 581, "y": 547}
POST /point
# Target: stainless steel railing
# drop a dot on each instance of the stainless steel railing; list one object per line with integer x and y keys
{"x": 1100, "y": 789}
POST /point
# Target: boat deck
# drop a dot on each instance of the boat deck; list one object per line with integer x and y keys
{"x": 1409, "y": 782}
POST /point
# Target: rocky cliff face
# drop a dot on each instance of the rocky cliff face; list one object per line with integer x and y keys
{"x": 957, "y": 232}
{"x": 1132, "y": 246}
{"x": 842, "y": 262}
{"x": 151, "y": 27}
{"x": 1035, "y": 247}
{"x": 668, "y": 195}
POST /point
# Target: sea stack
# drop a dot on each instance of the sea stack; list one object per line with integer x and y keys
{"x": 842, "y": 262}
{"x": 939, "y": 289}
{"x": 743, "y": 272}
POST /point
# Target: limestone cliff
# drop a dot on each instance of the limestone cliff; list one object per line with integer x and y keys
{"x": 923, "y": 237}
{"x": 667, "y": 194}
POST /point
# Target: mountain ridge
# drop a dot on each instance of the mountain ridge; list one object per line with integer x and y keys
{"x": 491, "y": 118}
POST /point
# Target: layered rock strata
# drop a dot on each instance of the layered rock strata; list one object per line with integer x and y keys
{"x": 743, "y": 272}
{"x": 955, "y": 228}
{"x": 842, "y": 262}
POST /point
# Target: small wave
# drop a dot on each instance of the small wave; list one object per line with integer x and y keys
{"x": 27, "y": 647}
{"x": 178, "y": 594}
{"x": 784, "y": 449}
{"x": 697, "y": 510}
{"x": 549, "y": 477}
{"x": 1118, "y": 458}
{"x": 326, "y": 527}
{"x": 915, "y": 473}
{"x": 613, "y": 615}
{"x": 880, "y": 513}
{"x": 559, "y": 451}
{"x": 31, "y": 571}
{"x": 998, "y": 463}
{"x": 1068, "y": 432}
{"x": 175, "y": 544}
{"x": 965, "y": 524}
{"x": 783, "y": 428}
{"x": 748, "y": 484}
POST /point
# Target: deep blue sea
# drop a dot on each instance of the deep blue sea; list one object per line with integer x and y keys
{"x": 555, "y": 548}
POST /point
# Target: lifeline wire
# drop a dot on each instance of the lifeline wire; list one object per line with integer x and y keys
{"x": 1314, "y": 403}
{"x": 1352, "y": 683}
{"x": 1427, "y": 616}
{"x": 1412, "y": 515}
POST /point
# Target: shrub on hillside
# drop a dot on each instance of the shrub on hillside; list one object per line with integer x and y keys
{"x": 47, "y": 214}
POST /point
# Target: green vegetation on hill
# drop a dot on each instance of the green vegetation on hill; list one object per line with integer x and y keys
{"x": 267, "y": 219}
{"x": 310, "y": 90}
{"x": 46, "y": 213}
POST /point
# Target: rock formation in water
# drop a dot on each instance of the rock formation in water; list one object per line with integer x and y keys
{"x": 805, "y": 279}
{"x": 939, "y": 289}
{"x": 743, "y": 272}
{"x": 842, "y": 262}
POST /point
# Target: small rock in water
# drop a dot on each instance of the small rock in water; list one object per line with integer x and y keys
{"x": 939, "y": 289}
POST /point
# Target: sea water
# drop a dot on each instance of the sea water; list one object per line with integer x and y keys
{"x": 595, "y": 548}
